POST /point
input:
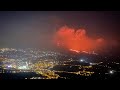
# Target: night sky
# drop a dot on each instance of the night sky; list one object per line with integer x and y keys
{"x": 36, "y": 28}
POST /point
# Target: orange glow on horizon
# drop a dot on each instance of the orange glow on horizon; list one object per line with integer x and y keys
{"x": 77, "y": 40}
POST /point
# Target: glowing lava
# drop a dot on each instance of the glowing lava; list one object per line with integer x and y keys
{"x": 76, "y": 40}
{"x": 75, "y": 50}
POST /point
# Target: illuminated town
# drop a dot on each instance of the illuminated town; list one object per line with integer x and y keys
{"x": 53, "y": 65}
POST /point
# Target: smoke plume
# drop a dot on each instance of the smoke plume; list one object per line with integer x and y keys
{"x": 72, "y": 39}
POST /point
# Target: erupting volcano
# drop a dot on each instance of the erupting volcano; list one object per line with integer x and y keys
{"x": 77, "y": 40}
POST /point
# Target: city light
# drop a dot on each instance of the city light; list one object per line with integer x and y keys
{"x": 91, "y": 63}
{"x": 111, "y": 72}
{"x": 41, "y": 63}
{"x": 81, "y": 60}
{"x": 23, "y": 67}
{"x": 9, "y": 66}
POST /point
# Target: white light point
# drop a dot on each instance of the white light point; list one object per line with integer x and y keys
{"x": 9, "y": 66}
{"x": 81, "y": 60}
{"x": 111, "y": 71}
{"x": 91, "y": 63}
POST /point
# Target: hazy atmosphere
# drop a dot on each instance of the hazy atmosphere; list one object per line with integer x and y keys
{"x": 37, "y": 28}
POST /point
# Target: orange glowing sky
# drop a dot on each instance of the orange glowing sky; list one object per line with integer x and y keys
{"x": 77, "y": 39}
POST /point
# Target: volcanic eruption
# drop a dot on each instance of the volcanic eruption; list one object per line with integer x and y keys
{"x": 77, "y": 40}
